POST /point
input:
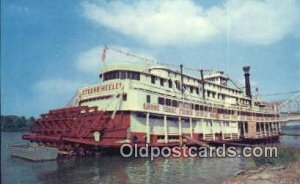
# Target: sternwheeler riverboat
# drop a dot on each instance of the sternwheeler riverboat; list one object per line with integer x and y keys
{"x": 158, "y": 105}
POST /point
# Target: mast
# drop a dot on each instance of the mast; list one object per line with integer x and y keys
{"x": 181, "y": 75}
{"x": 202, "y": 83}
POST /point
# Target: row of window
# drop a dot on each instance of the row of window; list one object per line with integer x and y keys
{"x": 261, "y": 126}
{"x": 196, "y": 90}
{"x": 136, "y": 76}
{"x": 213, "y": 85}
{"x": 177, "y": 84}
{"x": 121, "y": 75}
{"x": 224, "y": 89}
{"x": 175, "y": 103}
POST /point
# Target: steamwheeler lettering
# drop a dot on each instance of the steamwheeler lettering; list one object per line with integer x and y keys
{"x": 103, "y": 88}
{"x": 159, "y": 105}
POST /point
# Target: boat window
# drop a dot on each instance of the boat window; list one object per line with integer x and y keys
{"x": 129, "y": 75}
{"x": 213, "y": 94}
{"x": 168, "y": 102}
{"x": 148, "y": 99}
{"x": 257, "y": 127}
{"x": 170, "y": 83}
{"x": 208, "y": 93}
{"x": 162, "y": 81}
{"x": 262, "y": 126}
{"x": 191, "y": 89}
{"x": 161, "y": 101}
{"x": 177, "y": 85}
{"x": 133, "y": 75}
{"x": 111, "y": 75}
{"x": 174, "y": 103}
{"x": 121, "y": 75}
{"x": 160, "y": 137}
{"x": 153, "y": 78}
{"x": 246, "y": 127}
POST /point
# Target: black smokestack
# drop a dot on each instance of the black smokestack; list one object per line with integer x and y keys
{"x": 247, "y": 80}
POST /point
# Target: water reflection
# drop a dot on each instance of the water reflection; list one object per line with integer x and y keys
{"x": 291, "y": 141}
{"x": 119, "y": 170}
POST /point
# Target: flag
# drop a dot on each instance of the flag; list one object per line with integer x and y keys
{"x": 104, "y": 54}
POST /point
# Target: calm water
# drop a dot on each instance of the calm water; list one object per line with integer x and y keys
{"x": 291, "y": 141}
{"x": 114, "y": 169}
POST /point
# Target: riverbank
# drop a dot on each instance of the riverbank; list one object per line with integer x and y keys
{"x": 13, "y": 123}
{"x": 284, "y": 173}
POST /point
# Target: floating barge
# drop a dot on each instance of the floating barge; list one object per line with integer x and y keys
{"x": 160, "y": 106}
{"x": 33, "y": 152}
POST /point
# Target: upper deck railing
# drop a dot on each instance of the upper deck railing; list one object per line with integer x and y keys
{"x": 178, "y": 111}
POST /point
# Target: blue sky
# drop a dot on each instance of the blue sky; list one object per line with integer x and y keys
{"x": 51, "y": 48}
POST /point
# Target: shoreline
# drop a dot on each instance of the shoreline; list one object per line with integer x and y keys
{"x": 286, "y": 173}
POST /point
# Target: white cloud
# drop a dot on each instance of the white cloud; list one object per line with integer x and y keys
{"x": 53, "y": 93}
{"x": 262, "y": 22}
{"x": 57, "y": 86}
{"x": 158, "y": 22}
{"x": 174, "y": 22}
{"x": 90, "y": 60}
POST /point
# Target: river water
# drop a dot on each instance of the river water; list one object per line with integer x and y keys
{"x": 115, "y": 169}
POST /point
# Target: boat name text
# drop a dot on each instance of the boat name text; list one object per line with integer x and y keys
{"x": 102, "y": 88}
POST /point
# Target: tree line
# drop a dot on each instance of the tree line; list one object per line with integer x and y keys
{"x": 13, "y": 123}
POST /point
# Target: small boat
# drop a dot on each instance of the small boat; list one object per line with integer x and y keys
{"x": 33, "y": 152}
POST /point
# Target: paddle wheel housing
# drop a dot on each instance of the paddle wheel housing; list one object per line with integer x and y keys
{"x": 75, "y": 126}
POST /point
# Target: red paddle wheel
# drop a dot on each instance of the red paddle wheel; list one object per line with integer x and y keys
{"x": 74, "y": 127}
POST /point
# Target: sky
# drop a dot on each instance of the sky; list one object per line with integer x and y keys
{"x": 49, "y": 49}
